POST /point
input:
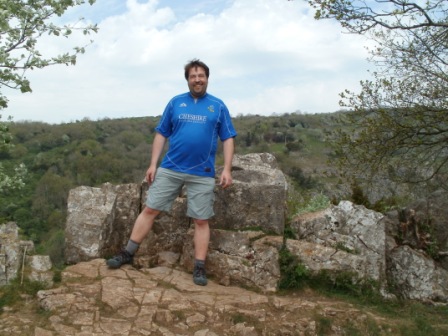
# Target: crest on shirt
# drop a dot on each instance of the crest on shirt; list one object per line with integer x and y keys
{"x": 211, "y": 108}
{"x": 183, "y": 105}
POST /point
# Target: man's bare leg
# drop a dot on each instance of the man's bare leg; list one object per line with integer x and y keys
{"x": 201, "y": 241}
{"x": 201, "y": 238}
{"x": 142, "y": 226}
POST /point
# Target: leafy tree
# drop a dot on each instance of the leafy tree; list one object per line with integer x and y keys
{"x": 400, "y": 119}
{"x": 12, "y": 181}
{"x": 299, "y": 178}
{"x": 361, "y": 16}
{"x": 51, "y": 193}
{"x": 22, "y": 24}
{"x": 9, "y": 181}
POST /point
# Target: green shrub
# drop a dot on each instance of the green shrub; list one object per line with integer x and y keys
{"x": 289, "y": 233}
{"x": 323, "y": 325}
{"x": 358, "y": 196}
{"x": 302, "y": 181}
{"x": 316, "y": 203}
{"x": 293, "y": 274}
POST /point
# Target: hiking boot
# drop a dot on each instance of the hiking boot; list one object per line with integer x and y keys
{"x": 120, "y": 259}
{"x": 199, "y": 276}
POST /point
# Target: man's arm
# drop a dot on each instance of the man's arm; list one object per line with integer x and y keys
{"x": 157, "y": 148}
{"x": 226, "y": 175}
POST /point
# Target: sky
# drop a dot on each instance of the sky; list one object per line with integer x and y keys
{"x": 265, "y": 57}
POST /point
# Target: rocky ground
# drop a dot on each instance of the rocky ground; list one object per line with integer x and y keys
{"x": 92, "y": 300}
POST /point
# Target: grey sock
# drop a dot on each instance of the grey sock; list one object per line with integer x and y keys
{"x": 199, "y": 263}
{"x": 132, "y": 247}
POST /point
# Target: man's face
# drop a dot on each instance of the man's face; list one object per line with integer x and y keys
{"x": 197, "y": 82}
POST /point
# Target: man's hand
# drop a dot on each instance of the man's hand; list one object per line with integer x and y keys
{"x": 226, "y": 179}
{"x": 150, "y": 174}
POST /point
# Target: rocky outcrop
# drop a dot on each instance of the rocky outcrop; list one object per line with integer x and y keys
{"x": 415, "y": 276}
{"x": 245, "y": 258}
{"x": 40, "y": 269}
{"x": 98, "y": 219}
{"x": 255, "y": 201}
{"x": 247, "y": 235}
{"x": 10, "y": 252}
{"x": 350, "y": 238}
{"x": 93, "y": 300}
{"x": 417, "y": 249}
{"x": 16, "y": 256}
{"x": 422, "y": 226}
{"x": 345, "y": 237}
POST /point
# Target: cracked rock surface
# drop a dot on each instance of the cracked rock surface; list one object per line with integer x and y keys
{"x": 94, "y": 300}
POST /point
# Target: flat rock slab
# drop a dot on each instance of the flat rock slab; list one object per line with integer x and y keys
{"x": 96, "y": 301}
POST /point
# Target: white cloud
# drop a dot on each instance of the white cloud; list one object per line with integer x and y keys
{"x": 265, "y": 56}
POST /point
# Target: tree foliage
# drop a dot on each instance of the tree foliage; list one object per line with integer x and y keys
{"x": 15, "y": 180}
{"x": 12, "y": 181}
{"x": 22, "y": 24}
{"x": 361, "y": 16}
{"x": 400, "y": 119}
{"x": 90, "y": 153}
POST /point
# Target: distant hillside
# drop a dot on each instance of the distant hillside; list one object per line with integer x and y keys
{"x": 61, "y": 157}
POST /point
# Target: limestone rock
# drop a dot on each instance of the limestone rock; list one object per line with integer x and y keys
{"x": 93, "y": 300}
{"x": 257, "y": 198}
{"x": 347, "y": 237}
{"x": 415, "y": 276}
{"x": 11, "y": 252}
{"x": 236, "y": 259}
{"x": 40, "y": 269}
{"x": 98, "y": 218}
{"x": 244, "y": 249}
{"x": 422, "y": 226}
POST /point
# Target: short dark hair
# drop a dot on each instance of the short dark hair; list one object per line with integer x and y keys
{"x": 195, "y": 63}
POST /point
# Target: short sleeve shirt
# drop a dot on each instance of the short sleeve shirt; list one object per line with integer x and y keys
{"x": 193, "y": 126}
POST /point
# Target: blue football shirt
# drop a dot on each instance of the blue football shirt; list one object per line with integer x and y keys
{"x": 193, "y": 126}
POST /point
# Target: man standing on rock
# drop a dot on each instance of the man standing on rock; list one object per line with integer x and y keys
{"x": 192, "y": 122}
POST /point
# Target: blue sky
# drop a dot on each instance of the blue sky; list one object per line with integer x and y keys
{"x": 265, "y": 57}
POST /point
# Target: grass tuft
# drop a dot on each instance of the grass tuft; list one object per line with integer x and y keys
{"x": 12, "y": 293}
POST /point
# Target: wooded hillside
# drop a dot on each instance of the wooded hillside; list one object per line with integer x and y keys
{"x": 61, "y": 157}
